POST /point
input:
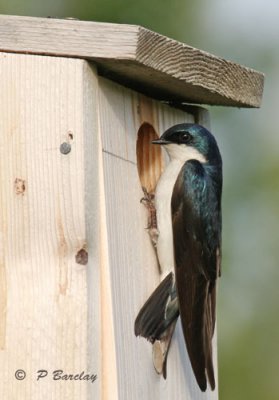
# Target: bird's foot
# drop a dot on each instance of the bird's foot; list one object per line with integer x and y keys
{"x": 148, "y": 201}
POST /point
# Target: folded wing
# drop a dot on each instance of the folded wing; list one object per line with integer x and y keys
{"x": 196, "y": 216}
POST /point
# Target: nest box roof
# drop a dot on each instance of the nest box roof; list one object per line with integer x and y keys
{"x": 138, "y": 58}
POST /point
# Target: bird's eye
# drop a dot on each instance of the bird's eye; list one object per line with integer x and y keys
{"x": 186, "y": 137}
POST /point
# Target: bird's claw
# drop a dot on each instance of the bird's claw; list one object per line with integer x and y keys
{"x": 154, "y": 234}
{"x": 148, "y": 201}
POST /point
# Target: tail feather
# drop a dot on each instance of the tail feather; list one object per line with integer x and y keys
{"x": 156, "y": 321}
{"x": 154, "y": 317}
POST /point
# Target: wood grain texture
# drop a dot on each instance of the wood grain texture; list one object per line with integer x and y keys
{"x": 206, "y": 76}
{"x": 49, "y": 312}
{"x": 144, "y": 60}
{"x": 58, "y": 311}
{"x": 132, "y": 263}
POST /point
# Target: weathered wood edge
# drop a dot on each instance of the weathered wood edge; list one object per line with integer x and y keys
{"x": 216, "y": 80}
{"x": 138, "y": 58}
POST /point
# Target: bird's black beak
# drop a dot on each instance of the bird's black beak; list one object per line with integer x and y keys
{"x": 160, "y": 141}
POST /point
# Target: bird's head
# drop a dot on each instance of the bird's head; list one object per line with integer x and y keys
{"x": 190, "y": 141}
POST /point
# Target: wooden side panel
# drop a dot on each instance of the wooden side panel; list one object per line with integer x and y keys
{"x": 47, "y": 228}
{"x": 133, "y": 268}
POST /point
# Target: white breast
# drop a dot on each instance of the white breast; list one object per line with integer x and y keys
{"x": 179, "y": 155}
{"x": 164, "y": 221}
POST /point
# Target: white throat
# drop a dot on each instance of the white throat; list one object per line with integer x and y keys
{"x": 184, "y": 153}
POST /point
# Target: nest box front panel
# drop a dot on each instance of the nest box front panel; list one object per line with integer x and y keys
{"x": 128, "y": 123}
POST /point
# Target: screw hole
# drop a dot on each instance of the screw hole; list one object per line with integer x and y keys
{"x": 65, "y": 148}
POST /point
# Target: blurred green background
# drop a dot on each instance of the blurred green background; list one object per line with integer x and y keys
{"x": 246, "y": 32}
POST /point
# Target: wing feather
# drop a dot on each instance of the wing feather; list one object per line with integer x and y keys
{"x": 196, "y": 214}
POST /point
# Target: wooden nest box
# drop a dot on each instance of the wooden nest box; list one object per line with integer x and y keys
{"x": 80, "y": 104}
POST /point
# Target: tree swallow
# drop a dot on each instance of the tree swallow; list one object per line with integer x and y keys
{"x": 188, "y": 212}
